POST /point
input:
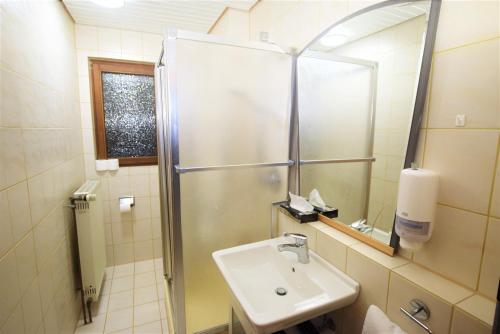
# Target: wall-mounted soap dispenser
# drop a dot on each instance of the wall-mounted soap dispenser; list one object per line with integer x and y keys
{"x": 417, "y": 198}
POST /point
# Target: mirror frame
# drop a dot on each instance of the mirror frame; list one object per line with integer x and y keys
{"x": 418, "y": 114}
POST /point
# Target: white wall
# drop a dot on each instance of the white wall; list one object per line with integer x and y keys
{"x": 41, "y": 164}
{"x": 135, "y": 236}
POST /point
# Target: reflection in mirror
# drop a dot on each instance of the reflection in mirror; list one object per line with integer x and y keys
{"x": 356, "y": 95}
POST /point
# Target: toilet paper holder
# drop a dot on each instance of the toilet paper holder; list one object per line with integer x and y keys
{"x": 130, "y": 199}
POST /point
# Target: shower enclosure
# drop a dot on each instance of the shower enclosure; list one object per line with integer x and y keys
{"x": 223, "y": 114}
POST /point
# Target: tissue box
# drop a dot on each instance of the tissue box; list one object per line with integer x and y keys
{"x": 327, "y": 212}
{"x": 301, "y": 217}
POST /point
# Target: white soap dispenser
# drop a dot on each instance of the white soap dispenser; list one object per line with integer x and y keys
{"x": 416, "y": 207}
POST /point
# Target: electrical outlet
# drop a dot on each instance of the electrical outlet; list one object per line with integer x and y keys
{"x": 460, "y": 120}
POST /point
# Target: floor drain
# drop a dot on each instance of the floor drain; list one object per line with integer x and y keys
{"x": 280, "y": 291}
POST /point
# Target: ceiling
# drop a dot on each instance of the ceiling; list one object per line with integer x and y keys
{"x": 375, "y": 21}
{"x": 154, "y": 15}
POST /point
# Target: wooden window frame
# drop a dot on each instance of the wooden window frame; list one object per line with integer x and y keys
{"x": 97, "y": 67}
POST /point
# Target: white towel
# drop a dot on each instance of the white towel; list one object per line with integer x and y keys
{"x": 376, "y": 322}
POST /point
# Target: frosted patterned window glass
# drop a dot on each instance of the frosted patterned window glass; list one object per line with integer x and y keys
{"x": 129, "y": 115}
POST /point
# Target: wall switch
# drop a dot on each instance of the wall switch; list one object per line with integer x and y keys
{"x": 460, "y": 120}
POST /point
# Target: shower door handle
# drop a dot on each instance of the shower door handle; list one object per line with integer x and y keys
{"x": 163, "y": 158}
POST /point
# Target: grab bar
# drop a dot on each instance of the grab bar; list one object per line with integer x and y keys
{"x": 337, "y": 161}
{"x": 183, "y": 170}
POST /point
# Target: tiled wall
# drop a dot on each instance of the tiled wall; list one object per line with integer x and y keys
{"x": 41, "y": 163}
{"x": 134, "y": 236}
{"x": 391, "y": 282}
{"x": 465, "y": 246}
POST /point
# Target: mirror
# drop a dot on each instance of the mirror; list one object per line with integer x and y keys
{"x": 357, "y": 95}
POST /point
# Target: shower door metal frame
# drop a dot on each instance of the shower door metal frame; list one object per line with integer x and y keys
{"x": 169, "y": 156}
{"x": 370, "y": 159}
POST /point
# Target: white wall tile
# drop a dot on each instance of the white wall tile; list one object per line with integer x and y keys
{"x": 401, "y": 291}
{"x": 19, "y": 210}
{"x": 464, "y": 161}
{"x": 455, "y": 247}
{"x": 151, "y": 44}
{"x": 490, "y": 268}
{"x": 86, "y": 37}
{"x": 9, "y": 289}
{"x": 109, "y": 40}
{"x": 480, "y": 23}
{"x": 26, "y": 261}
{"x": 6, "y": 236}
{"x": 131, "y": 42}
{"x": 472, "y": 91}
{"x": 32, "y": 309}
{"x": 11, "y": 157}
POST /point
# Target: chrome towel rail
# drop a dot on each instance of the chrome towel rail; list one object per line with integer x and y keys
{"x": 183, "y": 170}
{"x": 419, "y": 312}
{"x": 332, "y": 161}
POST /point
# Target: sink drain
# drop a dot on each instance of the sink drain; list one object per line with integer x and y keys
{"x": 280, "y": 291}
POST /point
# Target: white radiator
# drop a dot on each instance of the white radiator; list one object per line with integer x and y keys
{"x": 88, "y": 203}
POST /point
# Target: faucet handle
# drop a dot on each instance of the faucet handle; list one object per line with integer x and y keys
{"x": 300, "y": 239}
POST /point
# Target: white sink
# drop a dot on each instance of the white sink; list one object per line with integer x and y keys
{"x": 254, "y": 271}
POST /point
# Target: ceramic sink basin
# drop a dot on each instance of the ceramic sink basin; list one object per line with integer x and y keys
{"x": 254, "y": 272}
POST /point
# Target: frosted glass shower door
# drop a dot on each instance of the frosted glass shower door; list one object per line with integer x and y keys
{"x": 229, "y": 106}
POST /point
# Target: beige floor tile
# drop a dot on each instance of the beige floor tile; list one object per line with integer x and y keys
{"x": 161, "y": 291}
{"x": 146, "y": 313}
{"x": 106, "y": 287}
{"x": 145, "y": 295}
{"x": 121, "y": 300}
{"x": 144, "y": 279}
{"x": 164, "y": 326}
{"x": 158, "y": 264}
{"x": 122, "y": 284}
{"x": 151, "y": 328}
{"x": 144, "y": 266}
{"x": 163, "y": 310}
{"x": 123, "y": 270}
{"x": 159, "y": 276}
{"x": 124, "y": 331}
{"x": 109, "y": 272}
{"x": 96, "y": 327}
{"x": 119, "y": 320}
{"x": 101, "y": 306}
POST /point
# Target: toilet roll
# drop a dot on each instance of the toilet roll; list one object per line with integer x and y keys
{"x": 126, "y": 205}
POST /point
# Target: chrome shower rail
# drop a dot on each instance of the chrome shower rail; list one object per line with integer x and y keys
{"x": 183, "y": 170}
{"x": 336, "y": 161}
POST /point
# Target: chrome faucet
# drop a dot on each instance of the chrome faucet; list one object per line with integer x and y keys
{"x": 299, "y": 247}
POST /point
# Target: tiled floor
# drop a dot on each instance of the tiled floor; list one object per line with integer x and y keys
{"x": 132, "y": 301}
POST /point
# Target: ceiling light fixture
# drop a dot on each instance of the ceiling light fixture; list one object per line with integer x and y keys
{"x": 109, "y": 3}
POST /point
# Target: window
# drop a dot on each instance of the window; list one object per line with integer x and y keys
{"x": 124, "y": 111}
